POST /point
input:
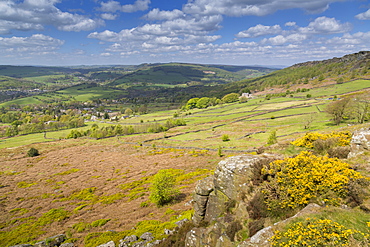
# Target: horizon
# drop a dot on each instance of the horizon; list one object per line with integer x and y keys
{"x": 228, "y": 32}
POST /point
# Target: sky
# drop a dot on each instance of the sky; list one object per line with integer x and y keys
{"x": 128, "y": 32}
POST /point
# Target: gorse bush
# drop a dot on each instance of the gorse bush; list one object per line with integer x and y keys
{"x": 341, "y": 138}
{"x": 295, "y": 182}
{"x": 317, "y": 232}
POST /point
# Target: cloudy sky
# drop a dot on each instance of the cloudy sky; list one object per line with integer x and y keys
{"x": 240, "y": 32}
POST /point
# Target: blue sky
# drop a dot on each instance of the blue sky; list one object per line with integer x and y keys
{"x": 239, "y": 32}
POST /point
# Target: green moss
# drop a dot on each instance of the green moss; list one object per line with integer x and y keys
{"x": 85, "y": 194}
{"x": 97, "y": 238}
{"x": 111, "y": 198}
{"x": 9, "y": 173}
{"x": 19, "y": 211}
{"x": 79, "y": 208}
{"x": 99, "y": 223}
{"x": 26, "y": 230}
{"x": 80, "y": 227}
{"x": 154, "y": 226}
{"x": 24, "y": 184}
{"x": 53, "y": 215}
{"x": 73, "y": 170}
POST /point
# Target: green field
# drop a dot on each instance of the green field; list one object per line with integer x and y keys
{"x": 247, "y": 124}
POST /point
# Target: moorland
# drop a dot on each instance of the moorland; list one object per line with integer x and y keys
{"x": 103, "y": 133}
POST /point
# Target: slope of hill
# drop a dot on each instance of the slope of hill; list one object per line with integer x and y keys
{"x": 315, "y": 73}
{"x": 185, "y": 75}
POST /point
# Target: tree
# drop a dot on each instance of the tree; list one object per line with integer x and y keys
{"x": 272, "y": 138}
{"x": 307, "y": 121}
{"x": 192, "y": 103}
{"x": 32, "y": 152}
{"x": 230, "y": 98}
{"x": 202, "y": 102}
{"x": 162, "y": 190}
{"x": 128, "y": 112}
{"x": 338, "y": 109}
{"x": 360, "y": 106}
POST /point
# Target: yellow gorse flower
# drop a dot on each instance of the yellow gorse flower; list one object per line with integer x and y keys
{"x": 343, "y": 138}
{"x": 316, "y": 232}
{"x": 296, "y": 181}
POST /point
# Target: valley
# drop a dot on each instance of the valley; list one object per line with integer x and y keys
{"x": 111, "y": 131}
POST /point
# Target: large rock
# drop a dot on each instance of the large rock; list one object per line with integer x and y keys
{"x": 22, "y": 245}
{"x": 147, "y": 236}
{"x": 222, "y": 199}
{"x": 109, "y": 244}
{"x": 231, "y": 182}
{"x": 360, "y": 142}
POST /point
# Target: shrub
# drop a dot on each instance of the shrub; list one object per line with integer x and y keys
{"x": 219, "y": 152}
{"x": 339, "y": 152}
{"x": 163, "y": 188}
{"x": 232, "y": 229}
{"x": 272, "y": 138}
{"x": 316, "y": 232}
{"x": 294, "y": 182}
{"x": 255, "y": 225}
{"x": 230, "y": 98}
{"x": 342, "y": 138}
{"x": 32, "y": 152}
{"x": 225, "y": 138}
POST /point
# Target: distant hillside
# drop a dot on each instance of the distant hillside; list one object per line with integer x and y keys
{"x": 313, "y": 73}
{"x": 31, "y": 71}
{"x": 160, "y": 75}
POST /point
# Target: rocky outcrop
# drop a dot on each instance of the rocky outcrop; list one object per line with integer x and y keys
{"x": 56, "y": 240}
{"x": 360, "y": 142}
{"x": 261, "y": 238}
{"x": 222, "y": 199}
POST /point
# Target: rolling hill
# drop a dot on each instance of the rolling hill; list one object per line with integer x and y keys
{"x": 95, "y": 190}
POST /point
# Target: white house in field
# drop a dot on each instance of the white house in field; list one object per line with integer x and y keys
{"x": 246, "y": 95}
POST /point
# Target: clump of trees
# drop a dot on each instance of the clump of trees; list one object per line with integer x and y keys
{"x": 28, "y": 123}
{"x": 205, "y": 102}
{"x": 113, "y": 130}
{"x": 355, "y": 107}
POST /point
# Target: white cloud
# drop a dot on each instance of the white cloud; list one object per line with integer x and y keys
{"x": 113, "y": 6}
{"x": 281, "y": 40}
{"x": 290, "y": 24}
{"x": 325, "y": 25}
{"x": 364, "y": 15}
{"x": 259, "y": 30}
{"x": 105, "y": 54}
{"x": 351, "y": 39}
{"x": 108, "y": 16}
{"x": 34, "y": 43}
{"x": 187, "y": 30}
{"x": 6, "y": 26}
{"x": 157, "y": 14}
{"x": 253, "y": 7}
{"x": 35, "y": 14}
